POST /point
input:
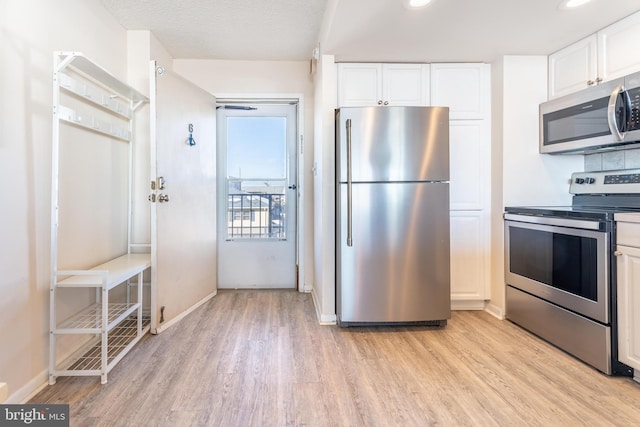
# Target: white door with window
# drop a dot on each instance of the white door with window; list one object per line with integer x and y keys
{"x": 258, "y": 193}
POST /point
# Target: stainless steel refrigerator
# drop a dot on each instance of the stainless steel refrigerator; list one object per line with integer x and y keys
{"x": 392, "y": 225}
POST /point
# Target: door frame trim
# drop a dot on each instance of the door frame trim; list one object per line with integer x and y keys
{"x": 298, "y": 98}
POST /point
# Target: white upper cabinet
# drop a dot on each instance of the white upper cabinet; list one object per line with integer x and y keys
{"x": 617, "y": 44}
{"x": 573, "y": 68}
{"x": 405, "y": 84}
{"x": 463, "y": 88}
{"x": 364, "y": 84}
{"x": 600, "y": 57}
{"x": 359, "y": 85}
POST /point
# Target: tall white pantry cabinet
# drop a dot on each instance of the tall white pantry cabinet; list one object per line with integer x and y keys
{"x": 465, "y": 89}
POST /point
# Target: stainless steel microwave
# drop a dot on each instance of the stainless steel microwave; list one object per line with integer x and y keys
{"x": 598, "y": 118}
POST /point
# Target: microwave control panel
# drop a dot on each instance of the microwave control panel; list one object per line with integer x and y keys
{"x": 633, "y": 121}
{"x": 605, "y": 182}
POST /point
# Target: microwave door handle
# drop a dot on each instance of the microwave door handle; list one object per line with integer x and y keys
{"x": 611, "y": 113}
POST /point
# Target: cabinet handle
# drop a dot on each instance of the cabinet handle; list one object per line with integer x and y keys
{"x": 380, "y": 102}
{"x": 386, "y": 102}
{"x": 599, "y": 80}
{"x": 590, "y": 82}
{"x": 617, "y": 253}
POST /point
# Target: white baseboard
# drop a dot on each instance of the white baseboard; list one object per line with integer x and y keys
{"x": 179, "y": 317}
{"x": 468, "y": 304}
{"x": 4, "y": 392}
{"x": 495, "y": 311}
{"x": 323, "y": 319}
{"x": 30, "y": 389}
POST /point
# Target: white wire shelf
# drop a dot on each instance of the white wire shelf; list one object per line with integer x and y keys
{"x": 123, "y": 337}
{"x": 89, "y": 321}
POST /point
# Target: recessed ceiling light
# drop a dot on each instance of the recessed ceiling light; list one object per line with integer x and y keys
{"x": 415, "y": 4}
{"x": 572, "y": 4}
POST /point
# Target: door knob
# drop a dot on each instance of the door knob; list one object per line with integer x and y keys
{"x": 163, "y": 198}
{"x": 293, "y": 187}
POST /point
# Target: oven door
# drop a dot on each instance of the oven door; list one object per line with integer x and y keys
{"x": 563, "y": 265}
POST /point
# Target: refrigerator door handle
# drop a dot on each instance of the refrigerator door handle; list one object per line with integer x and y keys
{"x": 349, "y": 183}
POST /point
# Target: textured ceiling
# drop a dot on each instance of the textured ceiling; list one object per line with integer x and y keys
{"x": 226, "y": 29}
{"x": 365, "y": 30}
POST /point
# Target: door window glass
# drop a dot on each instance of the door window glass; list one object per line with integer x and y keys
{"x": 256, "y": 177}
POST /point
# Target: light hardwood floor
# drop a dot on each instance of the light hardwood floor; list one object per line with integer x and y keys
{"x": 259, "y": 358}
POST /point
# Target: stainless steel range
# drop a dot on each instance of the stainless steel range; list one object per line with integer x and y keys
{"x": 560, "y": 267}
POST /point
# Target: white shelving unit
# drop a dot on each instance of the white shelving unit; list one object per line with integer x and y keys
{"x": 116, "y": 327}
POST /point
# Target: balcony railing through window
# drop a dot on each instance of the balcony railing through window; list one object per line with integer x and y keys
{"x": 256, "y": 209}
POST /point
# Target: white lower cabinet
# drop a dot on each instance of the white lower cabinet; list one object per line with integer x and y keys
{"x": 469, "y": 270}
{"x": 628, "y": 298}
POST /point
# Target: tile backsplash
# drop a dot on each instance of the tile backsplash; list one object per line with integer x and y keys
{"x": 612, "y": 160}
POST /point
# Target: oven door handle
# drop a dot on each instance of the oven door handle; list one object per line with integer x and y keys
{"x": 561, "y": 222}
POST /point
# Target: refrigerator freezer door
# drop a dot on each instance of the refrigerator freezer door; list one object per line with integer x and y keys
{"x": 394, "y": 143}
{"x": 397, "y": 269}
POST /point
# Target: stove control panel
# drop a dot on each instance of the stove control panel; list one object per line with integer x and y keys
{"x": 606, "y": 182}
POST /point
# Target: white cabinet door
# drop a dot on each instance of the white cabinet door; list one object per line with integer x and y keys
{"x": 366, "y": 85}
{"x": 468, "y": 164}
{"x": 359, "y": 84}
{"x": 464, "y": 88}
{"x": 629, "y": 306}
{"x": 603, "y": 56}
{"x": 469, "y": 281}
{"x": 616, "y": 48}
{"x": 405, "y": 84}
{"x": 571, "y": 68}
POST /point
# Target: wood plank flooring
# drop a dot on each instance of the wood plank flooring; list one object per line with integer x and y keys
{"x": 259, "y": 358}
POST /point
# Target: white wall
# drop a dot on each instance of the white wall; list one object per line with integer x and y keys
{"x": 497, "y": 291}
{"x": 30, "y": 31}
{"x": 530, "y": 178}
{"x": 527, "y": 177}
{"x": 324, "y": 293}
{"x": 229, "y": 78}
